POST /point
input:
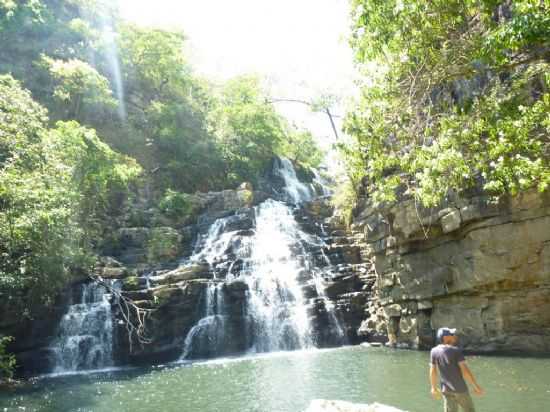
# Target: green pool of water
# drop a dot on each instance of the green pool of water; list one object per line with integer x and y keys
{"x": 286, "y": 382}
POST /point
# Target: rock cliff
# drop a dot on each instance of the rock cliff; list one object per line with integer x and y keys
{"x": 476, "y": 263}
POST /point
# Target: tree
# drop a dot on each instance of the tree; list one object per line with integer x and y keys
{"x": 300, "y": 147}
{"x": 248, "y": 129}
{"x": 459, "y": 97}
{"x": 55, "y": 188}
{"x": 78, "y": 85}
{"x": 7, "y": 360}
{"x": 59, "y": 29}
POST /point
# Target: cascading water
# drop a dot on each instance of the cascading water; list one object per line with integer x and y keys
{"x": 273, "y": 262}
{"x": 276, "y": 302}
{"x": 208, "y": 336}
{"x": 85, "y": 333}
{"x": 296, "y": 191}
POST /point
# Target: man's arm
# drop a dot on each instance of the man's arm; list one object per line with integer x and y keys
{"x": 469, "y": 376}
{"x": 433, "y": 381}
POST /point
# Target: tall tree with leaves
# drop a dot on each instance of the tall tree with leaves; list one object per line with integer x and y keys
{"x": 455, "y": 95}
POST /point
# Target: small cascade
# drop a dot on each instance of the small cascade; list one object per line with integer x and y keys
{"x": 321, "y": 183}
{"x": 273, "y": 263}
{"x": 208, "y": 337}
{"x": 85, "y": 334}
{"x": 214, "y": 243}
{"x": 296, "y": 191}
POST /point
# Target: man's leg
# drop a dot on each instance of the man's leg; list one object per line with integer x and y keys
{"x": 465, "y": 402}
{"x": 449, "y": 402}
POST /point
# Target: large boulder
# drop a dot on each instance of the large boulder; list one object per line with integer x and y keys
{"x": 320, "y": 405}
{"x": 183, "y": 273}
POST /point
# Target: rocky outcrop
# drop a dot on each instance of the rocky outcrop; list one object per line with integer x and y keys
{"x": 348, "y": 279}
{"x": 476, "y": 263}
{"x": 173, "y": 294}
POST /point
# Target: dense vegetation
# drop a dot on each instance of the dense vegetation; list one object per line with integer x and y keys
{"x": 91, "y": 108}
{"x": 456, "y": 94}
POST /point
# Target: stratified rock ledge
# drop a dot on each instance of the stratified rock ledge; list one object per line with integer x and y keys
{"x": 321, "y": 405}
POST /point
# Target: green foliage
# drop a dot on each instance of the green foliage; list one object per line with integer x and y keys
{"x": 7, "y": 360}
{"x": 158, "y": 57}
{"x": 175, "y": 204}
{"x": 99, "y": 175}
{"x": 248, "y": 129}
{"x": 21, "y": 121}
{"x": 185, "y": 133}
{"x": 55, "y": 186}
{"x": 300, "y": 147}
{"x": 166, "y": 111}
{"x": 344, "y": 199}
{"x": 60, "y": 29}
{"x": 163, "y": 244}
{"x": 455, "y": 94}
{"x": 35, "y": 217}
{"x": 77, "y": 84}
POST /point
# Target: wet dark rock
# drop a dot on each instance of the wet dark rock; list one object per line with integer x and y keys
{"x": 236, "y": 289}
{"x": 309, "y": 291}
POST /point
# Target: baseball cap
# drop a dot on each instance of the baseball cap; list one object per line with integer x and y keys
{"x": 445, "y": 332}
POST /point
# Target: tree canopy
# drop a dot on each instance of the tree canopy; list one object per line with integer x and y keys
{"x": 455, "y": 94}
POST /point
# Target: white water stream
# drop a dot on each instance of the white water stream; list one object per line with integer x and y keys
{"x": 272, "y": 261}
{"x": 85, "y": 333}
{"x": 274, "y": 265}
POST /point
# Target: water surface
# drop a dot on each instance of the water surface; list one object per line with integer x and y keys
{"x": 285, "y": 382}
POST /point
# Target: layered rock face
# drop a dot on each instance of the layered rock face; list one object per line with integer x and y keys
{"x": 476, "y": 263}
{"x": 173, "y": 296}
{"x": 348, "y": 273}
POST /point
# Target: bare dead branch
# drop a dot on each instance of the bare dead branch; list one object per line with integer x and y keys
{"x": 133, "y": 316}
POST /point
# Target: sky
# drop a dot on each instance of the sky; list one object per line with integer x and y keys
{"x": 299, "y": 46}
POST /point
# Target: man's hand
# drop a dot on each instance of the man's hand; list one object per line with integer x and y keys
{"x": 478, "y": 390}
{"x": 436, "y": 393}
{"x": 469, "y": 376}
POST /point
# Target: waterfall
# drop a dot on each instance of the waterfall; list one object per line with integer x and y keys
{"x": 208, "y": 336}
{"x": 214, "y": 243}
{"x": 276, "y": 301}
{"x": 85, "y": 333}
{"x": 321, "y": 183}
{"x": 271, "y": 261}
{"x": 296, "y": 191}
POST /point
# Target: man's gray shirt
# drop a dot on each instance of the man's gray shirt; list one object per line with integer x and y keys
{"x": 446, "y": 358}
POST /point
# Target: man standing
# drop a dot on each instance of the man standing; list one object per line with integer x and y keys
{"x": 449, "y": 360}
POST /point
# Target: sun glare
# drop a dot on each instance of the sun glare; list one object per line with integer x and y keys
{"x": 299, "y": 46}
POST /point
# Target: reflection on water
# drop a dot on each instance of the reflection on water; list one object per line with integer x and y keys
{"x": 286, "y": 382}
